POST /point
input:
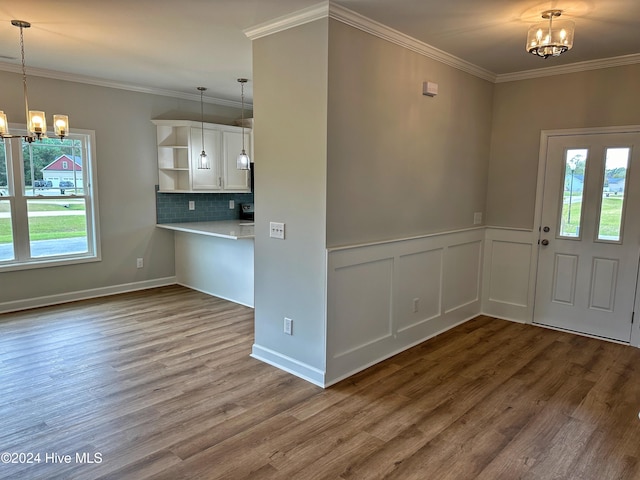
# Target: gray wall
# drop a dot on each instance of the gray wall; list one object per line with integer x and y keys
{"x": 290, "y": 91}
{"x": 348, "y": 150}
{"x": 127, "y": 173}
{"x": 522, "y": 109}
{"x": 399, "y": 163}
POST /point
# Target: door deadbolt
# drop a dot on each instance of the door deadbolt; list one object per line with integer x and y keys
{"x": 546, "y": 229}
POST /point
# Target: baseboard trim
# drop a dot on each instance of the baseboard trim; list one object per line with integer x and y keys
{"x": 289, "y": 365}
{"x": 501, "y": 316}
{"x": 382, "y": 358}
{"x": 48, "y": 300}
{"x": 234, "y": 300}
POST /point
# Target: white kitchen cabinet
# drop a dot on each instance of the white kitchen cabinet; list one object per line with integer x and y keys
{"x": 231, "y": 147}
{"x": 173, "y": 158}
{"x": 209, "y": 180}
{"x": 179, "y": 148}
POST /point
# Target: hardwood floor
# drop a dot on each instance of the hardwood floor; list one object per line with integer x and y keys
{"x": 159, "y": 384}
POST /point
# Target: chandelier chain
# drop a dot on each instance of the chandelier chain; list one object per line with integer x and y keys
{"x": 24, "y": 73}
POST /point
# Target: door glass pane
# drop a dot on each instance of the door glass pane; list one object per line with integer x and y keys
{"x": 613, "y": 194}
{"x": 57, "y": 226}
{"x": 574, "y": 180}
{"x": 6, "y": 232}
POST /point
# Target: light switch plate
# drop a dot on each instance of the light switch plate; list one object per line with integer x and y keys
{"x": 288, "y": 326}
{"x": 192, "y": 205}
{"x": 477, "y": 218}
{"x": 276, "y": 230}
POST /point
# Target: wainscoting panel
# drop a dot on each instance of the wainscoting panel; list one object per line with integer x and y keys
{"x": 387, "y": 297}
{"x": 363, "y": 290}
{"x": 462, "y": 275}
{"x": 508, "y": 274}
{"x": 420, "y": 288}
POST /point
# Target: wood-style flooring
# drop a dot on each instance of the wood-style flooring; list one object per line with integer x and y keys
{"x": 159, "y": 384}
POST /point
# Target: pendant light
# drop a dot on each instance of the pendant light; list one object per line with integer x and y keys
{"x": 36, "y": 121}
{"x": 244, "y": 162}
{"x": 203, "y": 160}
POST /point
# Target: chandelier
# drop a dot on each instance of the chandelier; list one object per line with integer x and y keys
{"x": 550, "y": 39}
{"x": 36, "y": 120}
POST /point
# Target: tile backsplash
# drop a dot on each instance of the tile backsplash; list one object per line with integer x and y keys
{"x": 174, "y": 207}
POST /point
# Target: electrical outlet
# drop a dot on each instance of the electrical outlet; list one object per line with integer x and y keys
{"x": 416, "y": 305}
{"x": 139, "y": 263}
{"x": 477, "y": 218}
{"x": 192, "y": 205}
{"x": 276, "y": 230}
{"x": 288, "y": 326}
{"x": 232, "y": 204}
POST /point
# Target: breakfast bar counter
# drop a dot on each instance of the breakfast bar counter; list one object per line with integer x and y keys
{"x": 215, "y": 258}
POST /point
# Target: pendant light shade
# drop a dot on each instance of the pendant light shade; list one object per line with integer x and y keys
{"x": 244, "y": 162}
{"x": 203, "y": 160}
{"x": 36, "y": 120}
{"x": 552, "y": 38}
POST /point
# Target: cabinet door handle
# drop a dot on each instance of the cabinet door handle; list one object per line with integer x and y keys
{"x": 220, "y": 181}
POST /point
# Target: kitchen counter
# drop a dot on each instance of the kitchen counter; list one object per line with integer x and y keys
{"x": 215, "y": 257}
{"x": 231, "y": 229}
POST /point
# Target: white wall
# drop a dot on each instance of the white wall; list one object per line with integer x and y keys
{"x": 509, "y": 273}
{"x": 217, "y": 266}
{"x": 386, "y": 297}
{"x": 127, "y": 173}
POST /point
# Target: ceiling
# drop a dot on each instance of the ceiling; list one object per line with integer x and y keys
{"x": 173, "y": 46}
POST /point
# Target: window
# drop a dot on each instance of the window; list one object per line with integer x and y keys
{"x": 48, "y": 211}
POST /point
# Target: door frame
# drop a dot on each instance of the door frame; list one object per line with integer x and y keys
{"x": 545, "y": 135}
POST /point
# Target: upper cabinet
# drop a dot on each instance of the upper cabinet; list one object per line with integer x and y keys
{"x": 179, "y": 148}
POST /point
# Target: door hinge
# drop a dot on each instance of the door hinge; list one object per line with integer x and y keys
{"x": 633, "y": 314}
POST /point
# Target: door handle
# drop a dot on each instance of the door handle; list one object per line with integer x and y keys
{"x": 545, "y": 242}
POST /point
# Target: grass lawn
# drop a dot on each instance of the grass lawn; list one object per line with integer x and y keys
{"x": 48, "y": 227}
{"x": 609, "y": 218}
{"x": 48, "y": 206}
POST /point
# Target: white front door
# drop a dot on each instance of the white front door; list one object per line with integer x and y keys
{"x": 590, "y": 234}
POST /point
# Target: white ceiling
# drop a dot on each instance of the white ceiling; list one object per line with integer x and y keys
{"x": 177, "y": 45}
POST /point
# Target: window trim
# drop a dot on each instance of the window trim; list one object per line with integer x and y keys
{"x": 16, "y": 191}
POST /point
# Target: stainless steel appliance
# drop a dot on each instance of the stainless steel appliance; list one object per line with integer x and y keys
{"x": 246, "y": 211}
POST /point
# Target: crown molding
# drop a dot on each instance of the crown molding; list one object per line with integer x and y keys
{"x": 571, "y": 68}
{"x": 69, "y": 77}
{"x": 291, "y": 20}
{"x": 353, "y": 19}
